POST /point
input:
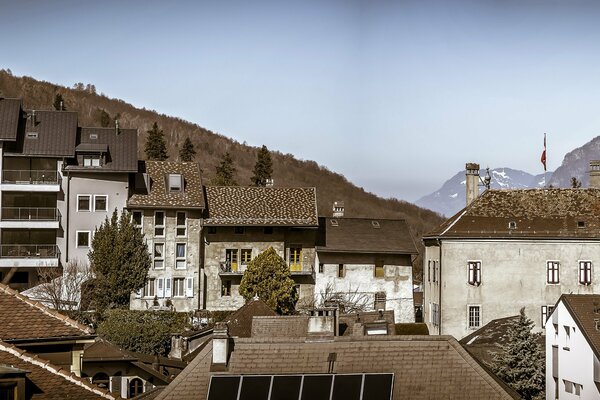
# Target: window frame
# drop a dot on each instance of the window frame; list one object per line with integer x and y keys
{"x": 225, "y": 287}
{"x": 546, "y": 312}
{"x": 245, "y": 252}
{"x": 141, "y": 225}
{"x": 182, "y": 282}
{"x": 552, "y": 272}
{"x": 89, "y": 197}
{"x": 178, "y": 258}
{"x": 105, "y": 202}
{"x": 150, "y": 286}
{"x": 89, "y": 236}
{"x": 156, "y": 226}
{"x": 474, "y": 272}
{"x": 587, "y": 272}
{"x": 471, "y": 325}
{"x": 295, "y": 255}
{"x": 341, "y": 271}
{"x": 92, "y": 158}
{"x": 178, "y": 227}
{"x": 321, "y": 268}
{"x": 174, "y": 189}
{"x": 158, "y": 258}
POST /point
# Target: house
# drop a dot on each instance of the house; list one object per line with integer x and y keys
{"x": 242, "y": 222}
{"x": 334, "y": 367}
{"x": 573, "y": 348}
{"x": 369, "y": 262}
{"x": 527, "y": 246}
{"x": 24, "y": 376}
{"x": 39, "y": 330}
{"x": 168, "y": 205}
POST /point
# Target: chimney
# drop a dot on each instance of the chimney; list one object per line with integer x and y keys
{"x": 117, "y": 126}
{"x": 472, "y": 181}
{"x": 594, "y": 174}
{"x": 33, "y": 118}
{"x": 62, "y": 106}
{"x": 338, "y": 209}
{"x": 220, "y": 344}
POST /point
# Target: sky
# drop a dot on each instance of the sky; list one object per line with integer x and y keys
{"x": 395, "y": 95}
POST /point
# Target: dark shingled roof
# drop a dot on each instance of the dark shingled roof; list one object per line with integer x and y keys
{"x": 539, "y": 213}
{"x": 56, "y": 134}
{"x": 424, "y": 367}
{"x": 50, "y": 382}
{"x": 10, "y": 114}
{"x": 364, "y": 235}
{"x": 584, "y": 308}
{"x": 192, "y": 196}
{"x": 120, "y": 149}
{"x": 243, "y": 205}
{"x": 22, "y": 318}
{"x": 240, "y": 322}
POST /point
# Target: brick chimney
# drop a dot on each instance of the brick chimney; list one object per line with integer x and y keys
{"x": 594, "y": 174}
{"x": 472, "y": 181}
{"x": 220, "y": 344}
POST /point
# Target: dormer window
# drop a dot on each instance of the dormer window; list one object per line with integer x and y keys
{"x": 175, "y": 183}
{"x": 512, "y": 225}
{"x": 91, "y": 160}
{"x": 581, "y": 224}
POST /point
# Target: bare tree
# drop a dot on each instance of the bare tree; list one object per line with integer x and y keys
{"x": 349, "y": 301}
{"x": 61, "y": 290}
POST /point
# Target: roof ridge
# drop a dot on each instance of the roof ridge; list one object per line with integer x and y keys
{"x": 46, "y": 310}
{"x": 48, "y": 366}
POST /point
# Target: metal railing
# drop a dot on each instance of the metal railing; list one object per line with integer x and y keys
{"x": 30, "y": 177}
{"x": 301, "y": 268}
{"x": 30, "y": 214}
{"x": 29, "y": 251}
{"x": 227, "y": 267}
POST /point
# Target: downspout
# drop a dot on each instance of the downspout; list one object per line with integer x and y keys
{"x": 440, "y": 288}
{"x": 68, "y": 195}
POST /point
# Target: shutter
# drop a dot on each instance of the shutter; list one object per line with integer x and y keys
{"x": 138, "y": 293}
{"x": 167, "y": 287}
{"x": 125, "y": 387}
{"x": 581, "y": 273}
{"x": 115, "y": 385}
{"x": 478, "y": 279}
{"x": 189, "y": 287}
{"x": 160, "y": 289}
{"x": 471, "y": 272}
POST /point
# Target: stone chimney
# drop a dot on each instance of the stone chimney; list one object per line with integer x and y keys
{"x": 338, "y": 209}
{"x": 220, "y": 344}
{"x": 594, "y": 174}
{"x": 472, "y": 181}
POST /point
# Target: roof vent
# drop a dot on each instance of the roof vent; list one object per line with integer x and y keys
{"x": 334, "y": 222}
{"x": 117, "y": 127}
{"x": 32, "y": 117}
{"x": 93, "y": 136}
{"x": 581, "y": 224}
{"x": 512, "y": 225}
{"x": 32, "y": 135}
{"x": 375, "y": 224}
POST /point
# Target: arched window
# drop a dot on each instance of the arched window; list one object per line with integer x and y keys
{"x": 101, "y": 380}
{"x": 136, "y": 387}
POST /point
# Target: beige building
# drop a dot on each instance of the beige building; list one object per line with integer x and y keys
{"x": 168, "y": 206}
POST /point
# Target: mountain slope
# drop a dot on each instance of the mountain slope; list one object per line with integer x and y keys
{"x": 576, "y": 164}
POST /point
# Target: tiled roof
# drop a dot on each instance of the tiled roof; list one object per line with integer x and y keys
{"x": 121, "y": 148}
{"x": 364, "y": 235}
{"x": 245, "y": 205}
{"x": 584, "y": 308}
{"x": 424, "y": 367}
{"x": 50, "y": 382}
{"x": 159, "y": 195}
{"x": 10, "y": 114}
{"x": 539, "y": 213}
{"x": 22, "y": 318}
{"x": 56, "y": 134}
{"x": 240, "y": 322}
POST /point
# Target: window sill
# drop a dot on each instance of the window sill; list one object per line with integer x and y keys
{"x": 566, "y": 348}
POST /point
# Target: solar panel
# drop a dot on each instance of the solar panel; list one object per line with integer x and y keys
{"x": 347, "y": 387}
{"x": 255, "y": 387}
{"x": 378, "y": 386}
{"x": 286, "y": 387}
{"x": 316, "y": 387}
{"x": 224, "y": 388}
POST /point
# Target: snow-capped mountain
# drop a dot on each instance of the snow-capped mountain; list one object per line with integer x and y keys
{"x": 451, "y": 197}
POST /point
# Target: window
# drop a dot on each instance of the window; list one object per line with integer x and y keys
{"x": 212, "y": 230}
{"x": 231, "y": 260}
{"x": 379, "y": 270}
{"x": 84, "y": 202}
{"x": 581, "y": 224}
{"x": 435, "y": 314}
{"x": 136, "y": 387}
{"x": 178, "y": 287}
{"x": 100, "y": 202}
{"x": 100, "y": 379}
{"x": 160, "y": 287}
{"x": 159, "y": 255}
{"x": 83, "y": 238}
{"x": 149, "y": 288}
{"x": 428, "y": 270}
{"x": 435, "y": 265}
{"x": 552, "y": 268}
{"x": 246, "y": 256}
{"x": 180, "y": 251}
{"x": 189, "y": 286}
{"x": 159, "y": 223}
{"x": 341, "y": 271}
{"x": 137, "y": 218}
{"x": 380, "y": 299}
{"x": 585, "y": 272}
{"x": 295, "y": 256}
{"x": 268, "y": 230}
{"x": 181, "y": 224}
{"x": 226, "y": 288}
{"x": 546, "y": 311}
{"x": 321, "y": 268}
{"x": 474, "y": 273}
{"x": 167, "y": 287}
{"x": 578, "y": 388}
{"x": 175, "y": 183}
{"x": 474, "y": 317}
{"x": 238, "y": 230}
{"x": 567, "y": 337}
{"x": 91, "y": 161}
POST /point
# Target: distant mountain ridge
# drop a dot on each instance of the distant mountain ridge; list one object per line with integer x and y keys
{"x": 577, "y": 164}
{"x": 451, "y": 197}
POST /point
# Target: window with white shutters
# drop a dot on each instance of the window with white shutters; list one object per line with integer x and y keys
{"x": 167, "y": 287}
{"x": 552, "y": 272}
{"x": 160, "y": 287}
{"x": 474, "y": 273}
{"x": 585, "y": 272}
{"x": 189, "y": 287}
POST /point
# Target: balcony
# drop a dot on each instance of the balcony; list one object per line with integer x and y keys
{"x": 25, "y": 180}
{"x": 30, "y": 217}
{"x": 231, "y": 269}
{"x": 300, "y": 269}
{"x": 29, "y": 255}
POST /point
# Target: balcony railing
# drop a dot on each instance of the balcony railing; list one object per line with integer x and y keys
{"x": 302, "y": 268}
{"x": 29, "y": 251}
{"x": 228, "y": 267}
{"x": 31, "y": 177}
{"x": 30, "y": 214}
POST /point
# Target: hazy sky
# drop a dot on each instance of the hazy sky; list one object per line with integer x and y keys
{"x": 396, "y": 95}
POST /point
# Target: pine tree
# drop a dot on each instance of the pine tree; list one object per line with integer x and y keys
{"x": 119, "y": 260}
{"x": 156, "y": 148}
{"x": 59, "y": 102}
{"x": 268, "y": 277}
{"x": 521, "y": 363}
{"x": 187, "y": 152}
{"x": 263, "y": 168}
{"x": 225, "y": 172}
{"x": 575, "y": 183}
{"x": 103, "y": 118}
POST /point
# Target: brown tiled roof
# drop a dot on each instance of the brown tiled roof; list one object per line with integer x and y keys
{"x": 424, "y": 367}
{"x": 240, "y": 322}
{"x": 50, "y": 382}
{"x": 489, "y": 339}
{"x": 245, "y": 205}
{"x": 121, "y": 149}
{"x": 364, "y": 235}
{"x": 159, "y": 196}
{"x": 10, "y": 114}
{"x": 584, "y": 308}
{"x": 56, "y": 134}
{"x": 22, "y": 318}
{"x": 539, "y": 213}
{"x": 289, "y": 326}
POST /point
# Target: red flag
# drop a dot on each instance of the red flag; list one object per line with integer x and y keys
{"x": 543, "y": 160}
